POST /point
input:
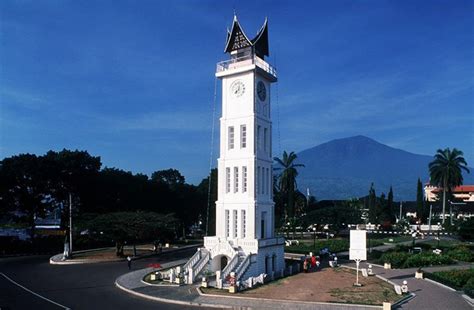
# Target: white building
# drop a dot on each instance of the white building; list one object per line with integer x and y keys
{"x": 245, "y": 241}
{"x": 463, "y": 193}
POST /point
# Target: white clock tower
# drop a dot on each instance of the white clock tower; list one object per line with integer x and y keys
{"x": 245, "y": 241}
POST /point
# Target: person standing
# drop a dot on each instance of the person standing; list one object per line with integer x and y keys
{"x": 313, "y": 263}
{"x": 129, "y": 262}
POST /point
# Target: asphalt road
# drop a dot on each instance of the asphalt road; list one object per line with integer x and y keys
{"x": 86, "y": 286}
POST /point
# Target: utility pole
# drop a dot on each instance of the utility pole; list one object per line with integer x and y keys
{"x": 401, "y": 206}
{"x": 429, "y": 219}
{"x": 70, "y": 224}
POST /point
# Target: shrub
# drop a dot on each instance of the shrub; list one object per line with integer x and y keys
{"x": 458, "y": 279}
{"x": 469, "y": 287}
{"x": 466, "y": 229}
{"x": 397, "y": 259}
{"x": 461, "y": 253}
{"x": 334, "y": 246}
{"x": 426, "y": 259}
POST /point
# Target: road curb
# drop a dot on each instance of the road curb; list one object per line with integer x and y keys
{"x": 281, "y": 300}
{"x": 440, "y": 284}
{"x": 169, "y": 301}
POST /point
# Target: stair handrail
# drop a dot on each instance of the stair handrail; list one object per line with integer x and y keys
{"x": 239, "y": 272}
{"x": 201, "y": 264}
{"x": 230, "y": 266}
{"x": 193, "y": 260}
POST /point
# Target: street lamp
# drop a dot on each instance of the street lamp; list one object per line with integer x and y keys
{"x": 314, "y": 238}
{"x": 439, "y": 228}
{"x": 368, "y": 234}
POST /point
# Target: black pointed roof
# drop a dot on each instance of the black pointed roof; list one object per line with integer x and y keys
{"x": 236, "y": 39}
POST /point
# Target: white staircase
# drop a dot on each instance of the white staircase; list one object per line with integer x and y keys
{"x": 196, "y": 264}
{"x": 239, "y": 264}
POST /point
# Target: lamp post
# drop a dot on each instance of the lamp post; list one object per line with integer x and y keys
{"x": 368, "y": 234}
{"x": 439, "y": 228}
{"x": 314, "y": 238}
{"x": 70, "y": 225}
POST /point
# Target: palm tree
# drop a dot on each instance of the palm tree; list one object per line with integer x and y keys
{"x": 287, "y": 178}
{"x": 446, "y": 171}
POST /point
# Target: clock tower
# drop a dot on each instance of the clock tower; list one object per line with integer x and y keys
{"x": 245, "y": 241}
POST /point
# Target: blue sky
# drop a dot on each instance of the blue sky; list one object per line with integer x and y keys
{"x": 133, "y": 81}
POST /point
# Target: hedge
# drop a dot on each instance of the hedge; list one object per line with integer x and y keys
{"x": 462, "y": 253}
{"x": 457, "y": 279}
{"x": 407, "y": 260}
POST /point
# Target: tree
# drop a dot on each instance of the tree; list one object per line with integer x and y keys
{"x": 287, "y": 179}
{"x": 132, "y": 227}
{"x": 390, "y": 205}
{"x": 420, "y": 212}
{"x": 24, "y": 187}
{"x": 372, "y": 200}
{"x": 381, "y": 210}
{"x": 208, "y": 197}
{"x": 338, "y": 215}
{"x": 446, "y": 171}
{"x": 171, "y": 177}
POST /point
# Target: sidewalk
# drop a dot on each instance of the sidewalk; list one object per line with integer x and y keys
{"x": 190, "y": 295}
{"x": 58, "y": 258}
{"x": 429, "y": 294}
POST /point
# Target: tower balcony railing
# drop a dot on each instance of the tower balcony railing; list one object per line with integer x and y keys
{"x": 246, "y": 60}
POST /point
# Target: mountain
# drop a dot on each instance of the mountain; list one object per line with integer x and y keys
{"x": 345, "y": 168}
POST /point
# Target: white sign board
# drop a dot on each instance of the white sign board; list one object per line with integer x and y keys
{"x": 358, "y": 245}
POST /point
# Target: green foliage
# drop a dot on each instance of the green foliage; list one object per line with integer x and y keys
{"x": 389, "y": 209}
{"x": 348, "y": 212}
{"x": 287, "y": 179}
{"x": 334, "y": 246}
{"x": 132, "y": 227}
{"x": 457, "y": 279}
{"x": 469, "y": 287}
{"x": 372, "y": 199}
{"x": 420, "y": 213}
{"x": 446, "y": 171}
{"x": 406, "y": 260}
{"x": 466, "y": 229}
{"x": 397, "y": 259}
{"x": 425, "y": 259}
{"x": 35, "y": 185}
{"x": 461, "y": 253}
{"x": 170, "y": 177}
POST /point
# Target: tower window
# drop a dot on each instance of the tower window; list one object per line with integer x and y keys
{"x": 243, "y": 136}
{"x": 244, "y": 179}
{"x": 264, "y": 177}
{"x": 236, "y": 179}
{"x": 231, "y": 137}
{"x": 243, "y": 222}
{"x": 257, "y": 185}
{"x": 227, "y": 222}
{"x": 234, "y": 215}
{"x": 259, "y": 142}
{"x": 227, "y": 180}
{"x": 269, "y": 182}
{"x": 265, "y": 139}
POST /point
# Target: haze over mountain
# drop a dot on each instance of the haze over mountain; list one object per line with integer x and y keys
{"x": 345, "y": 168}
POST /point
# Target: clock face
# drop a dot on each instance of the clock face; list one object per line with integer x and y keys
{"x": 261, "y": 91}
{"x": 237, "y": 88}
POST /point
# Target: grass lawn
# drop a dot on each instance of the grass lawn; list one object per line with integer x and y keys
{"x": 396, "y": 239}
{"x": 334, "y": 245}
{"x": 327, "y": 285}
